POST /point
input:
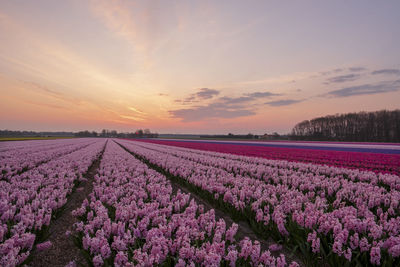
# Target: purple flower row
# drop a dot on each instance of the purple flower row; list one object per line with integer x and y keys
{"x": 132, "y": 217}
{"x": 18, "y": 160}
{"x": 28, "y": 200}
{"x": 33, "y": 145}
{"x": 255, "y": 167}
{"x": 376, "y": 162}
{"x": 353, "y": 212}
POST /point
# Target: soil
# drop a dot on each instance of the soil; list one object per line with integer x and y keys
{"x": 63, "y": 249}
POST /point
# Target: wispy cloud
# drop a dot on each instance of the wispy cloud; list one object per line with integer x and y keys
{"x": 343, "y": 78}
{"x": 386, "y": 71}
{"x": 284, "y": 102}
{"x": 131, "y": 117}
{"x": 54, "y": 61}
{"x": 221, "y": 107}
{"x": 367, "y": 89}
{"x": 136, "y": 110}
{"x": 46, "y": 91}
{"x": 282, "y": 79}
{"x": 357, "y": 69}
{"x": 201, "y": 94}
{"x": 41, "y": 104}
{"x": 206, "y": 93}
{"x": 213, "y": 110}
{"x": 42, "y": 88}
{"x": 117, "y": 17}
{"x": 262, "y": 94}
{"x": 246, "y": 98}
{"x": 236, "y": 100}
{"x": 337, "y": 70}
{"x": 136, "y": 23}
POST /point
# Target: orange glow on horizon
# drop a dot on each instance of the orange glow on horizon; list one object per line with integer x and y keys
{"x": 192, "y": 68}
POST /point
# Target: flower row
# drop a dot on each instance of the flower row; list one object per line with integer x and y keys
{"x": 259, "y": 167}
{"x": 19, "y": 160}
{"x": 378, "y": 163}
{"x": 343, "y": 215}
{"x": 28, "y": 201}
{"x": 30, "y": 144}
{"x": 132, "y": 217}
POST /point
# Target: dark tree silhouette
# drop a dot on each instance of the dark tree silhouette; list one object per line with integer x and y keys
{"x": 104, "y": 133}
{"x": 378, "y": 126}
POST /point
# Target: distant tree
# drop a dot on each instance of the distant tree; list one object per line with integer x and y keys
{"x": 103, "y": 133}
{"x": 139, "y": 133}
{"x": 378, "y": 126}
{"x": 8, "y": 133}
{"x": 86, "y": 133}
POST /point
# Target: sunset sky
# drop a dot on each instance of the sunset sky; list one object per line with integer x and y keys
{"x": 194, "y": 66}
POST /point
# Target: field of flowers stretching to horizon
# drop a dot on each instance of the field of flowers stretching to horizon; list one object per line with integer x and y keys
{"x": 344, "y": 216}
{"x": 373, "y": 157}
{"x": 136, "y": 203}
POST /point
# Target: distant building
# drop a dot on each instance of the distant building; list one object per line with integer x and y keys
{"x": 273, "y": 136}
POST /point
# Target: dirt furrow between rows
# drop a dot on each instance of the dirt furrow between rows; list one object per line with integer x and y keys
{"x": 63, "y": 249}
{"x": 244, "y": 228}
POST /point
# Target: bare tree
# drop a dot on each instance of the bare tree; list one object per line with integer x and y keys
{"x": 378, "y": 126}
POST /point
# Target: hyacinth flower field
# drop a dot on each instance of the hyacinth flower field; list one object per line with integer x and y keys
{"x": 151, "y": 202}
{"x": 32, "y": 194}
{"x": 363, "y": 156}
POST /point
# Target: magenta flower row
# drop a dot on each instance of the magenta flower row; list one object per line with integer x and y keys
{"x": 375, "y": 162}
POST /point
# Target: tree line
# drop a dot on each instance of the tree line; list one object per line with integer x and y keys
{"x": 230, "y": 136}
{"x": 378, "y": 126}
{"x": 146, "y": 133}
{"x": 9, "y": 133}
